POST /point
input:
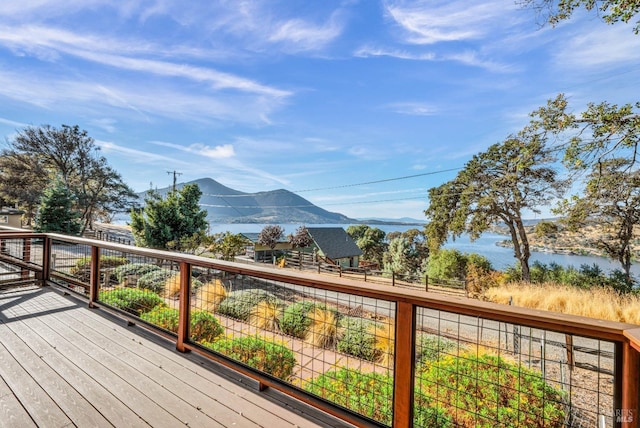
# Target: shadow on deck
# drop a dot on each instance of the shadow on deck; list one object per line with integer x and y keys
{"x": 62, "y": 364}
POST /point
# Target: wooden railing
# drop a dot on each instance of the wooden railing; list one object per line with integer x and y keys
{"x": 610, "y": 350}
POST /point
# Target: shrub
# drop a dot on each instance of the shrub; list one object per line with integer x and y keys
{"x": 296, "y": 320}
{"x": 82, "y": 268}
{"x": 371, "y": 395}
{"x": 260, "y": 353}
{"x": 133, "y": 269}
{"x": 431, "y": 348}
{"x": 172, "y": 285}
{"x": 383, "y": 341}
{"x": 155, "y": 280}
{"x": 131, "y": 300}
{"x": 210, "y": 295}
{"x": 238, "y": 304}
{"x": 266, "y": 315}
{"x": 203, "y": 327}
{"x": 447, "y": 264}
{"x": 546, "y": 229}
{"x": 485, "y": 390}
{"x": 357, "y": 339}
{"x": 323, "y": 331}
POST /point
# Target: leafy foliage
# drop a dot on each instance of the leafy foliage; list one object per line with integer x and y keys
{"x": 71, "y": 154}
{"x": 155, "y": 280}
{"x": 131, "y": 300}
{"x": 483, "y": 390}
{"x": 175, "y": 223}
{"x": 227, "y": 245}
{"x": 371, "y": 395}
{"x": 56, "y": 212}
{"x": 82, "y": 268}
{"x": 203, "y": 327}
{"x": 370, "y": 240}
{"x": 447, "y": 263}
{"x": 611, "y": 11}
{"x": 239, "y": 304}
{"x": 133, "y": 269}
{"x": 431, "y": 348}
{"x": 260, "y": 353}
{"x": 296, "y": 320}
{"x": 496, "y": 186}
{"x": 357, "y": 338}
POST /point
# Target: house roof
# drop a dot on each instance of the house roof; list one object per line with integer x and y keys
{"x": 334, "y": 242}
{"x": 253, "y": 237}
{"x": 5, "y": 210}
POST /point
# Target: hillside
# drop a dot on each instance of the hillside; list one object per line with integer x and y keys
{"x": 226, "y": 205}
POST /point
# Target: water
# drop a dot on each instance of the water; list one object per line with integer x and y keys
{"x": 500, "y": 257}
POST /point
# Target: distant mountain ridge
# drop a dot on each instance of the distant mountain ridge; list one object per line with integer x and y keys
{"x": 226, "y": 205}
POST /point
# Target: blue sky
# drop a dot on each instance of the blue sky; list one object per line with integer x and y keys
{"x": 316, "y": 97}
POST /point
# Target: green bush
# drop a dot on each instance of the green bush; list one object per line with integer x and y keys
{"x": 483, "y": 391}
{"x": 260, "y": 353}
{"x": 82, "y": 268}
{"x": 295, "y": 318}
{"x": 203, "y": 327}
{"x": 123, "y": 271}
{"x": 546, "y": 229}
{"x": 371, "y": 395}
{"x": 447, "y": 264}
{"x": 131, "y": 300}
{"x": 156, "y": 280}
{"x": 357, "y": 338}
{"x": 238, "y": 304}
{"x": 431, "y": 348}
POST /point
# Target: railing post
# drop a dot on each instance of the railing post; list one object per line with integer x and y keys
{"x": 627, "y": 382}
{"x": 404, "y": 365}
{"x": 94, "y": 276}
{"x": 426, "y": 283}
{"x": 184, "y": 306}
{"x": 26, "y": 256}
{"x": 46, "y": 259}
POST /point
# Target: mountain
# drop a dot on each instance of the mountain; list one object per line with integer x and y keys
{"x": 226, "y": 205}
{"x": 400, "y": 221}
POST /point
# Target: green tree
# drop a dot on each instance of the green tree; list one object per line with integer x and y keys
{"x": 22, "y": 180}
{"x": 397, "y": 257}
{"x": 494, "y": 187}
{"x": 447, "y": 263}
{"x": 227, "y": 244}
{"x": 69, "y": 153}
{"x": 611, "y": 11}
{"x": 56, "y": 213}
{"x": 174, "y": 223}
{"x": 371, "y": 240}
{"x": 612, "y": 200}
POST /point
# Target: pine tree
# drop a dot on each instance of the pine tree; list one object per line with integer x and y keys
{"x": 56, "y": 212}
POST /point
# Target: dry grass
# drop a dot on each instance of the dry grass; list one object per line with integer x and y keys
{"x": 210, "y": 295}
{"x": 323, "y": 331}
{"x": 172, "y": 286}
{"x": 601, "y": 303}
{"x": 266, "y": 315}
{"x": 384, "y": 343}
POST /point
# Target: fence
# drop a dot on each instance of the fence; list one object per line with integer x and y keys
{"x": 370, "y": 354}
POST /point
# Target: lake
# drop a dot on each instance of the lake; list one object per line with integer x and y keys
{"x": 500, "y": 257}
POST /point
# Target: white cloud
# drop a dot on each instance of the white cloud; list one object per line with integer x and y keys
{"x": 216, "y": 152}
{"x": 598, "y": 46}
{"x": 366, "y": 52}
{"x": 413, "y": 108}
{"x": 429, "y": 22}
{"x": 299, "y": 35}
{"x": 135, "y": 156}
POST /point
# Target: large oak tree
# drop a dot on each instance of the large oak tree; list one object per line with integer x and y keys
{"x": 495, "y": 187}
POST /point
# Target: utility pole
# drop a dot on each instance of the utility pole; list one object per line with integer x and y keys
{"x": 175, "y": 177}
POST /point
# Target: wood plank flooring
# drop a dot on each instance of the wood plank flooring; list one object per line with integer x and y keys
{"x": 64, "y": 365}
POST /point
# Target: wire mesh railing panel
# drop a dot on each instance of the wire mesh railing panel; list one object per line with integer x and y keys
{"x": 336, "y": 346}
{"x": 19, "y": 258}
{"x": 70, "y": 265}
{"x": 142, "y": 286}
{"x": 476, "y": 372}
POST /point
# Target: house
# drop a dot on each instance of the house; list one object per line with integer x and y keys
{"x": 10, "y": 217}
{"x": 335, "y": 245}
{"x": 261, "y": 252}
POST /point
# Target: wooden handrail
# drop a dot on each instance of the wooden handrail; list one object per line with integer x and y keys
{"x": 625, "y": 336}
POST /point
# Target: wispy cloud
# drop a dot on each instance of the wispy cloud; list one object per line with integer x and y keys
{"x": 298, "y": 35}
{"x": 429, "y": 22}
{"x": 224, "y": 151}
{"x": 366, "y": 51}
{"x": 134, "y": 155}
{"x": 412, "y": 108}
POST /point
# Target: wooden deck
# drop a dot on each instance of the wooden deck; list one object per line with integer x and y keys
{"x": 64, "y": 365}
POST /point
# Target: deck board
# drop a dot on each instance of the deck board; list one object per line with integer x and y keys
{"x": 62, "y": 364}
